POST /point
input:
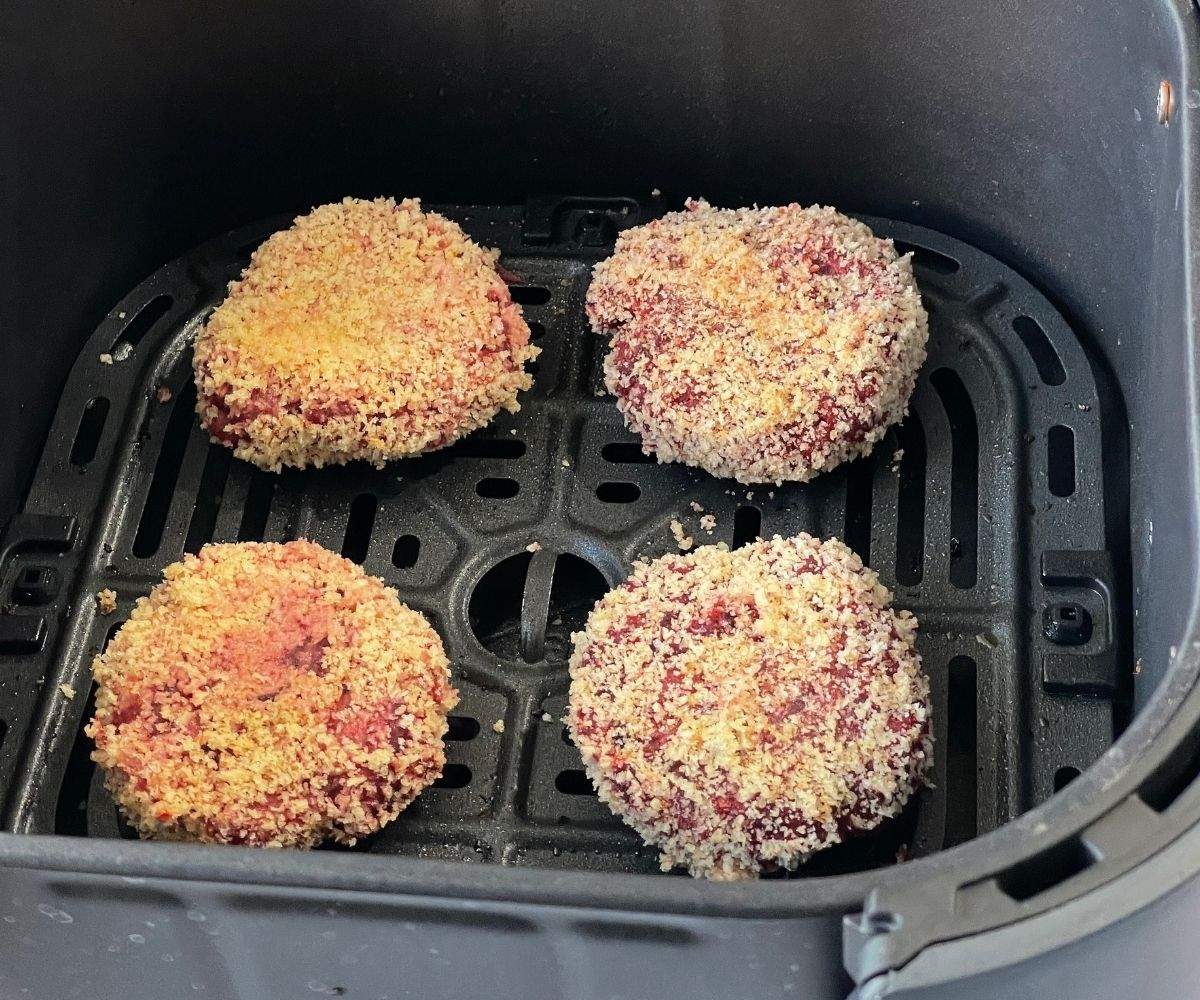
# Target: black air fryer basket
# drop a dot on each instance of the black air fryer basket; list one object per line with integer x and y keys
{"x": 1037, "y": 510}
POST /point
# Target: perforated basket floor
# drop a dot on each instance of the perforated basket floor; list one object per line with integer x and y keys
{"x": 985, "y": 511}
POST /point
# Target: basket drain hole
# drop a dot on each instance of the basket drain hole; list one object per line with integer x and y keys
{"x": 1060, "y": 460}
{"x": 860, "y": 476}
{"x": 1064, "y": 776}
{"x": 910, "y": 503}
{"x": 555, "y": 604}
{"x": 454, "y": 776}
{"x": 497, "y": 488}
{"x": 962, "y": 782}
{"x": 618, "y": 492}
{"x": 494, "y": 610}
{"x": 529, "y": 295}
{"x": 87, "y": 436}
{"x": 747, "y": 523}
{"x": 926, "y": 259}
{"x": 1045, "y": 357}
{"x": 139, "y": 326}
{"x": 209, "y": 495}
{"x": 359, "y": 525}
{"x": 964, "y": 476}
{"x": 257, "y": 509}
{"x": 574, "y": 782}
{"x": 626, "y": 453}
{"x": 406, "y": 551}
{"x": 166, "y": 473}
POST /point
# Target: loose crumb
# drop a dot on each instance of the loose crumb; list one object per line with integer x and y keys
{"x": 708, "y": 522}
{"x": 122, "y": 351}
{"x": 106, "y": 358}
{"x": 896, "y": 459}
{"x": 683, "y": 540}
{"x": 1137, "y": 665}
{"x": 547, "y": 717}
{"x": 770, "y": 494}
{"x": 68, "y": 692}
{"x": 566, "y": 464}
{"x": 533, "y": 547}
{"x": 122, "y": 314}
{"x": 163, "y": 395}
{"x": 696, "y": 507}
{"x": 513, "y": 432}
{"x": 498, "y": 726}
{"x": 655, "y": 193}
{"x": 106, "y": 600}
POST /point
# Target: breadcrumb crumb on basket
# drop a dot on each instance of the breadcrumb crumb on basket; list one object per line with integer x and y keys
{"x": 746, "y": 709}
{"x": 368, "y": 330}
{"x": 269, "y": 694}
{"x": 767, "y": 344}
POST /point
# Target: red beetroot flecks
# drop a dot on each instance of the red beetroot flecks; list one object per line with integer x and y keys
{"x": 321, "y": 413}
{"x": 309, "y": 655}
{"x": 720, "y": 617}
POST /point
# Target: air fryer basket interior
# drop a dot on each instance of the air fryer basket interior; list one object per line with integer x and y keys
{"x": 979, "y": 135}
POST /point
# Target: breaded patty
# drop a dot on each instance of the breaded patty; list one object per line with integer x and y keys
{"x": 368, "y": 330}
{"x": 269, "y": 694}
{"x": 744, "y": 709}
{"x": 766, "y": 344}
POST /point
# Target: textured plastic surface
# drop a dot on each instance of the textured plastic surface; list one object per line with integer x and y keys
{"x": 961, "y": 510}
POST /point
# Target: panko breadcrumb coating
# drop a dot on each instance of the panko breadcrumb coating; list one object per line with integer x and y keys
{"x": 744, "y": 709}
{"x": 272, "y": 695}
{"x": 767, "y": 344}
{"x": 368, "y": 330}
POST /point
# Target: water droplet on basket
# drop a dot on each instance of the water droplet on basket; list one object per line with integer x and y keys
{"x": 55, "y": 914}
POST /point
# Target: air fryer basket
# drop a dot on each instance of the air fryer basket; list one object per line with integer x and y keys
{"x": 985, "y": 510}
{"x": 1037, "y": 158}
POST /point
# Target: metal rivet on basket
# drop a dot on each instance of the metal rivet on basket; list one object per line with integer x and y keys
{"x": 1166, "y": 102}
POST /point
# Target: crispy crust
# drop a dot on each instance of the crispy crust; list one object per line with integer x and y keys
{"x": 745, "y": 709}
{"x": 368, "y": 330}
{"x": 767, "y": 344}
{"x": 269, "y": 694}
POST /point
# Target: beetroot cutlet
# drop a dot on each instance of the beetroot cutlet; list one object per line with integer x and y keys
{"x": 368, "y": 330}
{"x": 272, "y": 695}
{"x": 767, "y": 344}
{"x": 745, "y": 709}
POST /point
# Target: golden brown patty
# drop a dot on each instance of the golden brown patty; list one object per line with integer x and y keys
{"x": 745, "y": 709}
{"x": 368, "y": 330}
{"x": 270, "y": 694}
{"x": 767, "y": 344}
